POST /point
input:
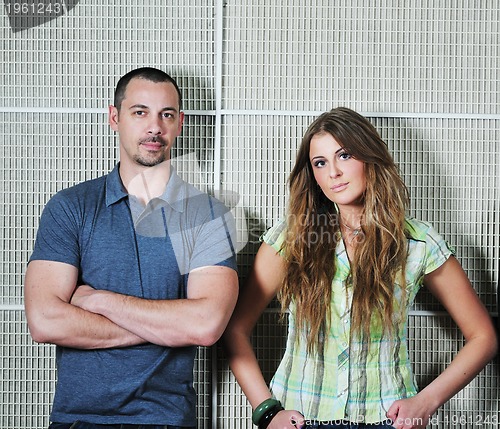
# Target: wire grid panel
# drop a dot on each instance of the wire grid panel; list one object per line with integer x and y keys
{"x": 28, "y": 375}
{"x": 193, "y": 154}
{"x": 451, "y": 169}
{"x": 57, "y": 151}
{"x": 449, "y": 165}
{"x": 203, "y": 386}
{"x": 378, "y": 56}
{"x": 75, "y": 60}
{"x": 432, "y": 340}
{"x": 257, "y": 154}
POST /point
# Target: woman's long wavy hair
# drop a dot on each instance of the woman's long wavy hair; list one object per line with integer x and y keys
{"x": 313, "y": 231}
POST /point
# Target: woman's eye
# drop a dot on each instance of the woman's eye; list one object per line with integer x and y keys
{"x": 319, "y": 164}
{"x": 345, "y": 155}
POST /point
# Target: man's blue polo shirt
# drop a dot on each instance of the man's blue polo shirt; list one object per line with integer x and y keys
{"x": 120, "y": 246}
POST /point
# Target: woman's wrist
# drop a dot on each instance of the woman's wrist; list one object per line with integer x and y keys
{"x": 265, "y": 412}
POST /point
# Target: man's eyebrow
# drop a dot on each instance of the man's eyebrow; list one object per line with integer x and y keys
{"x": 170, "y": 109}
{"x": 143, "y": 106}
{"x": 139, "y": 106}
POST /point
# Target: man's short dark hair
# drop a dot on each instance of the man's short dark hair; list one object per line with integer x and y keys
{"x": 147, "y": 73}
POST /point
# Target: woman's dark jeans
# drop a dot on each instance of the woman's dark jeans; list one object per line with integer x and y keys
{"x": 85, "y": 425}
{"x": 346, "y": 425}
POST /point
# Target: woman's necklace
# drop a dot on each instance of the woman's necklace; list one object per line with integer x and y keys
{"x": 353, "y": 233}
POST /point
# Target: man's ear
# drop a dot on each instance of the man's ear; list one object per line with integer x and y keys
{"x": 181, "y": 122}
{"x": 113, "y": 117}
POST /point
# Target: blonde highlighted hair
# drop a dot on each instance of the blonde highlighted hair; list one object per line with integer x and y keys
{"x": 379, "y": 258}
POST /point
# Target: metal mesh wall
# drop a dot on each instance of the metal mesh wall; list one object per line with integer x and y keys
{"x": 416, "y": 56}
{"x": 254, "y": 74}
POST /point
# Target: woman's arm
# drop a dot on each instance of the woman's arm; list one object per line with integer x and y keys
{"x": 450, "y": 285}
{"x": 262, "y": 286}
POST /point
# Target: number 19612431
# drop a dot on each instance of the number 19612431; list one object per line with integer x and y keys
{"x": 470, "y": 420}
{"x": 28, "y": 8}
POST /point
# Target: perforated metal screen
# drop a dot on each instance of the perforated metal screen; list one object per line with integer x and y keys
{"x": 254, "y": 74}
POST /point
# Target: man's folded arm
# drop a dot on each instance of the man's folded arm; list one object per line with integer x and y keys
{"x": 48, "y": 289}
{"x": 200, "y": 319}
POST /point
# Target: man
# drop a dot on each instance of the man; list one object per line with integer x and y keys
{"x": 130, "y": 272}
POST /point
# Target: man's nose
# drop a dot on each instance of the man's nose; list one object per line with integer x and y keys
{"x": 155, "y": 127}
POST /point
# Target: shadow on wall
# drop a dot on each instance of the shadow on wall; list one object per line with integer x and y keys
{"x": 437, "y": 196}
{"x": 26, "y": 15}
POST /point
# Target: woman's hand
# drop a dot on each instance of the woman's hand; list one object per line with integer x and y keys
{"x": 411, "y": 413}
{"x": 287, "y": 419}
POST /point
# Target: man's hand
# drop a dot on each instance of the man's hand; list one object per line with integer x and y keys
{"x": 82, "y": 297}
{"x": 199, "y": 319}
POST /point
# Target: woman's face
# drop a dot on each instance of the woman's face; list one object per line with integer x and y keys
{"x": 341, "y": 177}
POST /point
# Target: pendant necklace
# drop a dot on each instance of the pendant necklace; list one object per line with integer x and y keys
{"x": 354, "y": 232}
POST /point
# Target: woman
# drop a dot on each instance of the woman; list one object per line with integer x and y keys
{"x": 347, "y": 264}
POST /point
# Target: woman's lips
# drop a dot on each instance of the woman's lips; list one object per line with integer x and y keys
{"x": 339, "y": 187}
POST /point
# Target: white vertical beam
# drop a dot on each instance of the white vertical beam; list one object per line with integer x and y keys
{"x": 219, "y": 45}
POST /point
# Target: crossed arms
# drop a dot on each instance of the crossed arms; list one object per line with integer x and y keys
{"x": 60, "y": 312}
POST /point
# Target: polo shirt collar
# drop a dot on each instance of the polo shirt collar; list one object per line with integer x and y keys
{"x": 115, "y": 191}
{"x": 174, "y": 194}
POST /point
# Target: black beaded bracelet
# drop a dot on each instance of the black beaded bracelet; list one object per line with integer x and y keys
{"x": 269, "y": 415}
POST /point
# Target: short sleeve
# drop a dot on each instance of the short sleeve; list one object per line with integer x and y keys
{"x": 213, "y": 230}
{"x": 438, "y": 250}
{"x": 58, "y": 231}
{"x": 428, "y": 249}
{"x": 275, "y": 236}
{"x": 216, "y": 240}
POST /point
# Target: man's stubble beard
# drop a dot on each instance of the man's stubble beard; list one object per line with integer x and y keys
{"x": 163, "y": 156}
{"x": 141, "y": 160}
